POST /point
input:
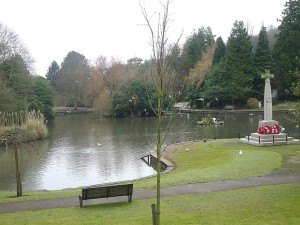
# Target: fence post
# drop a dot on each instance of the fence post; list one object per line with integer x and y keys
{"x": 248, "y": 137}
{"x": 259, "y": 139}
{"x": 153, "y": 214}
{"x": 273, "y": 139}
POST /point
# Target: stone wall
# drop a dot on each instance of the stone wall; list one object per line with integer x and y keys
{"x": 166, "y": 165}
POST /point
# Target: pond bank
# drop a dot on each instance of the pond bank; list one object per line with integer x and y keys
{"x": 71, "y": 110}
{"x": 233, "y": 111}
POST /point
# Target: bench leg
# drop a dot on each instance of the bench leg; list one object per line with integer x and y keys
{"x": 129, "y": 198}
{"x": 80, "y": 201}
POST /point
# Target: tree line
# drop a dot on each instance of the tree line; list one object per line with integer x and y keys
{"x": 19, "y": 89}
{"x": 203, "y": 67}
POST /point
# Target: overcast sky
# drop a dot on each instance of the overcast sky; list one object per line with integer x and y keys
{"x": 52, "y": 28}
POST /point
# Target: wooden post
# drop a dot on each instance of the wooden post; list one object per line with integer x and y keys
{"x": 18, "y": 174}
{"x": 153, "y": 214}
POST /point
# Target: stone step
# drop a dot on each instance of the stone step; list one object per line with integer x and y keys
{"x": 269, "y": 143}
{"x": 267, "y": 136}
{"x": 269, "y": 139}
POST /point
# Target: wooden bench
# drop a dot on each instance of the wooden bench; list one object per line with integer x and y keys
{"x": 105, "y": 192}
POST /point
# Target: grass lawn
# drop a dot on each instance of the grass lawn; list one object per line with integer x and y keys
{"x": 276, "y": 204}
{"x": 220, "y": 160}
{"x": 210, "y": 161}
{"x": 196, "y": 162}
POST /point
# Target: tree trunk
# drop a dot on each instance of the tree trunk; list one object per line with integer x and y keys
{"x": 159, "y": 141}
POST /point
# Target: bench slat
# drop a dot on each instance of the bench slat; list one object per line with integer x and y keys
{"x": 118, "y": 190}
{"x": 94, "y": 193}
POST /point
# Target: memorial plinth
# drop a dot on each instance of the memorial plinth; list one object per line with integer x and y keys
{"x": 269, "y": 130}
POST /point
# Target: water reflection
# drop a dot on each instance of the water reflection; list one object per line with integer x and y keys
{"x": 82, "y": 150}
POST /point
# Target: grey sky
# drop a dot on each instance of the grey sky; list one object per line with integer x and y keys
{"x": 52, "y": 28}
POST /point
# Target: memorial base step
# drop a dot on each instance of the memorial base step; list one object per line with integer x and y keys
{"x": 268, "y": 139}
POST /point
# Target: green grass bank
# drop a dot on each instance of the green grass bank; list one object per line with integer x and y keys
{"x": 276, "y": 204}
{"x": 202, "y": 162}
{"x": 194, "y": 162}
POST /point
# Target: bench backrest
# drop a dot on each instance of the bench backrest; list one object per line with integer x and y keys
{"x": 107, "y": 191}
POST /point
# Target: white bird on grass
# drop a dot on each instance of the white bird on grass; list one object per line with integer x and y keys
{"x": 241, "y": 153}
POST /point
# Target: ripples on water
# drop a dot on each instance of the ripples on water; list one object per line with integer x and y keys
{"x": 83, "y": 150}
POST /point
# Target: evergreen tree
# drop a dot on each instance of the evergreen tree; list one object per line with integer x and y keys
{"x": 287, "y": 48}
{"x": 262, "y": 55}
{"x": 16, "y": 77}
{"x": 272, "y": 32}
{"x": 220, "y": 50}
{"x": 43, "y": 97}
{"x": 8, "y": 98}
{"x": 216, "y": 84}
{"x": 134, "y": 98}
{"x": 72, "y": 80}
{"x": 239, "y": 64}
{"x": 262, "y": 60}
{"x": 52, "y": 73}
{"x": 194, "y": 46}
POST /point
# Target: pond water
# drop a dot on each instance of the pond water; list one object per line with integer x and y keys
{"x": 83, "y": 150}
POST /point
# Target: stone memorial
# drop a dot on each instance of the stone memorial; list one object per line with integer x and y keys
{"x": 269, "y": 131}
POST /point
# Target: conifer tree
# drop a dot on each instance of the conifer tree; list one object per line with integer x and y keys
{"x": 194, "y": 46}
{"x": 220, "y": 50}
{"x": 239, "y": 64}
{"x": 262, "y": 60}
{"x": 52, "y": 73}
{"x": 287, "y": 48}
{"x": 262, "y": 55}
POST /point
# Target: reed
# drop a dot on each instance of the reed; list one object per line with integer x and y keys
{"x": 9, "y": 119}
{"x": 35, "y": 124}
{"x": 31, "y": 122}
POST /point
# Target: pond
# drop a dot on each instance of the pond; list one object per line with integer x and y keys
{"x": 83, "y": 150}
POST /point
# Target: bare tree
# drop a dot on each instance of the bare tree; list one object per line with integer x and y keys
{"x": 11, "y": 45}
{"x": 111, "y": 71}
{"x": 102, "y": 67}
{"x": 163, "y": 79}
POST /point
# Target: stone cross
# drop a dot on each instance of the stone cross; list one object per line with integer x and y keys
{"x": 267, "y": 95}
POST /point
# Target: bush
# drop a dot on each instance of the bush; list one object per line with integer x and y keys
{"x": 252, "y": 103}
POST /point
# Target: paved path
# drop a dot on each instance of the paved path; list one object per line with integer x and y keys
{"x": 196, "y": 188}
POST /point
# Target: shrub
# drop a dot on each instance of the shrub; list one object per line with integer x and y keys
{"x": 252, "y": 103}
